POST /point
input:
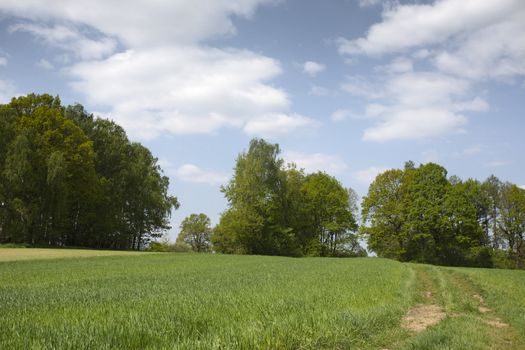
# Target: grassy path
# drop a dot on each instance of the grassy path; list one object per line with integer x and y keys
{"x": 455, "y": 315}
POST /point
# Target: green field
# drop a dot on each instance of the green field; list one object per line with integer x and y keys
{"x": 206, "y": 301}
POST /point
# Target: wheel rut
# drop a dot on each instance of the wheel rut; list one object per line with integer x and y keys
{"x": 449, "y": 297}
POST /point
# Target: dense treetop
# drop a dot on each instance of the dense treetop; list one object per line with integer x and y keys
{"x": 69, "y": 179}
{"x": 418, "y": 214}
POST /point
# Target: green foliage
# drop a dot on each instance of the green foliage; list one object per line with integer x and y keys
{"x": 328, "y": 209}
{"x": 195, "y": 232}
{"x": 278, "y": 210}
{"x": 68, "y": 179}
{"x": 417, "y": 214}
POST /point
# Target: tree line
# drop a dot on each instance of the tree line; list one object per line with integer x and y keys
{"x": 276, "y": 209}
{"x": 413, "y": 214}
{"x": 69, "y": 179}
{"x": 419, "y": 214}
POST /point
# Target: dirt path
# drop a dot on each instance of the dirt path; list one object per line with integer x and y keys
{"x": 450, "y": 312}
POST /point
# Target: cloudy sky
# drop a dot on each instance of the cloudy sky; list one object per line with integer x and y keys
{"x": 351, "y": 87}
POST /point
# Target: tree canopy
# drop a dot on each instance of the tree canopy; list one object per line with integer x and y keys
{"x": 276, "y": 209}
{"x": 418, "y": 214}
{"x": 69, "y": 179}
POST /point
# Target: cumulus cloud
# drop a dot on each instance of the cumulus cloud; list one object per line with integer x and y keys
{"x": 472, "y": 39}
{"x": 497, "y": 163}
{"x": 340, "y": 115}
{"x": 277, "y": 123}
{"x": 461, "y": 43}
{"x": 188, "y": 90}
{"x": 366, "y": 3}
{"x": 45, "y": 64}
{"x": 414, "y": 25}
{"x": 414, "y": 105}
{"x": 138, "y": 23}
{"x": 313, "y": 68}
{"x": 430, "y": 155}
{"x": 362, "y": 87}
{"x": 316, "y": 90}
{"x": 470, "y": 151}
{"x": 192, "y": 173}
{"x": 69, "y": 38}
{"x": 398, "y": 65}
{"x": 312, "y": 162}
{"x": 164, "y": 79}
{"x": 368, "y": 175}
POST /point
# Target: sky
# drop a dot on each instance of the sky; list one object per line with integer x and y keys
{"x": 349, "y": 87}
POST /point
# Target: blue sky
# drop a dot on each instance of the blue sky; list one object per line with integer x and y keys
{"x": 351, "y": 87}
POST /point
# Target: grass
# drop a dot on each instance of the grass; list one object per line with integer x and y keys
{"x": 21, "y": 253}
{"x": 190, "y": 301}
{"x": 505, "y": 291}
{"x": 207, "y": 301}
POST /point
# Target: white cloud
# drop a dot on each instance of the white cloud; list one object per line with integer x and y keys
{"x": 421, "y": 54}
{"x": 3, "y": 61}
{"x": 522, "y": 187}
{"x": 496, "y": 163}
{"x": 413, "y": 25}
{"x": 463, "y": 42}
{"x": 340, "y": 115}
{"x": 314, "y": 162}
{"x": 138, "y": 23}
{"x": 366, "y": 3}
{"x": 188, "y": 90}
{"x": 475, "y": 105}
{"x": 317, "y": 90}
{"x": 414, "y": 105}
{"x": 359, "y": 86}
{"x": 369, "y": 174}
{"x": 430, "y": 156}
{"x": 472, "y": 150}
{"x": 398, "y": 65}
{"x": 70, "y": 39}
{"x": 45, "y": 64}
{"x": 165, "y": 80}
{"x": 471, "y": 38}
{"x": 277, "y": 123}
{"x": 415, "y": 124}
{"x": 313, "y": 68}
{"x": 194, "y": 174}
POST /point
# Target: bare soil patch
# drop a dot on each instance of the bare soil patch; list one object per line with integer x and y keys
{"x": 496, "y": 322}
{"x": 422, "y": 316}
{"x": 482, "y": 308}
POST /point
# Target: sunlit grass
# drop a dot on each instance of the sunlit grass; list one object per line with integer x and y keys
{"x": 12, "y": 254}
{"x": 194, "y": 301}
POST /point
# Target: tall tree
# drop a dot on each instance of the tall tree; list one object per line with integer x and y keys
{"x": 195, "y": 231}
{"x": 383, "y": 215}
{"x": 255, "y": 195}
{"x": 329, "y": 207}
{"x": 512, "y": 222}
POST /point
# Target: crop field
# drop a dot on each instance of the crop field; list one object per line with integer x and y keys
{"x": 12, "y": 254}
{"x": 208, "y": 301}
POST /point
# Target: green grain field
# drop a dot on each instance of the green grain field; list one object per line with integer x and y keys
{"x": 208, "y": 301}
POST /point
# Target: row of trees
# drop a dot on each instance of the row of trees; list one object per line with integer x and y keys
{"x": 276, "y": 209}
{"x": 418, "y": 214}
{"x": 69, "y": 179}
